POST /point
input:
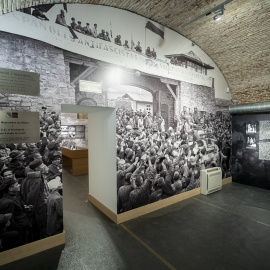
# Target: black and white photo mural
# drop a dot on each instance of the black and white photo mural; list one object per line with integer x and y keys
{"x": 170, "y": 99}
{"x": 165, "y": 128}
{"x": 250, "y": 150}
{"x": 31, "y": 186}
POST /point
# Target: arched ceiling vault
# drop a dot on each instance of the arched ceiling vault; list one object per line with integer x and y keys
{"x": 239, "y": 43}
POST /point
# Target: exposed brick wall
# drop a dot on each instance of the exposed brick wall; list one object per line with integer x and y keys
{"x": 238, "y": 43}
{"x": 26, "y": 54}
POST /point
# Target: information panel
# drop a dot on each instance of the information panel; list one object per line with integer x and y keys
{"x": 19, "y": 82}
{"x": 73, "y": 132}
{"x": 19, "y": 127}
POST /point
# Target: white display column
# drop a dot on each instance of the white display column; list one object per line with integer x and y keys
{"x": 102, "y": 157}
{"x": 101, "y": 154}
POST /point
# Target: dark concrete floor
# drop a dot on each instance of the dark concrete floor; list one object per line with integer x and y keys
{"x": 229, "y": 229}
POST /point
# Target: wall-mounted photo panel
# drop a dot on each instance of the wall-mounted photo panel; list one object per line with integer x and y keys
{"x": 264, "y": 131}
{"x": 252, "y": 135}
{"x": 264, "y": 150}
{"x": 73, "y": 132}
{"x": 250, "y": 150}
{"x": 30, "y": 178}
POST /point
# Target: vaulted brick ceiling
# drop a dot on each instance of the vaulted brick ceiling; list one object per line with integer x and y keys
{"x": 239, "y": 43}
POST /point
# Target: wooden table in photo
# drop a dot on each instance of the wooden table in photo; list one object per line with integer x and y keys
{"x": 77, "y": 159}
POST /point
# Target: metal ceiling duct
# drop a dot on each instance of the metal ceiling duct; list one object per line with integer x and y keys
{"x": 250, "y": 108}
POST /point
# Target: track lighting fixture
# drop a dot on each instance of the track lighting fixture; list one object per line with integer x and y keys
{"x": 219, "y": 12}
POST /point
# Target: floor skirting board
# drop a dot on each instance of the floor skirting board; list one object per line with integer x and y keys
{"x": 226, "y": 180}
{"x": 147, "y": 208}
{"x": 32, "y": 248}
{"x": 108, "y": 212}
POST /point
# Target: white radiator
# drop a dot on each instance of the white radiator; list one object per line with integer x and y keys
{"x": 211, "y": 180}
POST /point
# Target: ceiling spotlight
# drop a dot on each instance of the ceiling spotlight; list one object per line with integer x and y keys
{"x": 217, "y": 17}
{"x": 219, "y": 12}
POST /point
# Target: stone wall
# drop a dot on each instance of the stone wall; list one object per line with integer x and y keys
{"x": 26, "y": 54}
{"x": 198, "y": 96}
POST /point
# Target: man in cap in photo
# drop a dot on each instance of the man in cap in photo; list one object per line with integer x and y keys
{"x": 107, "y": 37}
{"x": 18, "y": 162}
{"x": 87, "y": 29}
{"x": 73, "y": 23}
{"x": 55, "y": 169}
{"x": 123, "y": 202}
{"x": 4, "y": 154}
{"x": 157, "y": 194}
{"x": 194, "y": 181}
{"x": 12, "y": 202}
{"x": 60, "y": 18}
{"x": 184, "y": 115}
{"x": 38, "y": 166}
{"x": 49, "y": 151}
{"x": 122, "y": 171}
{"x": 31, "y": 149}
{"x": 8, "y": 239}
{"x": 54, "y": 208}
{"x": 52, "y": 134}
{"x": 32, "y": 191}
{"x": 177, "y": 184}
{"x": 138, "y": 47}
{"x": 2, "y": 167}
{"x": 140, "y": 196}
{"x": 94, "y": 31}
{"x": 102, "y": 35}
{"x": 79, "y": 27}
{"x": 7, "y": 173}
{"x": 126, "y": 46}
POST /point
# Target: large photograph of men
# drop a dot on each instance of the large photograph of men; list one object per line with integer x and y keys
{"x": 31, "y": 186}
{"x": 161, "y": 146}
{"x": 154, "y": 162}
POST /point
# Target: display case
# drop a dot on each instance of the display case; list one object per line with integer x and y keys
{"x": 77, "y": 159}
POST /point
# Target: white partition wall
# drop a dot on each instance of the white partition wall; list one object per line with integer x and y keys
{"x": 101, "y": 153}
{"x": 102, "y": 157}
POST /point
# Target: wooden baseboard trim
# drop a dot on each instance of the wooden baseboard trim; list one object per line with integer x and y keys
{"x": 142, "y": 210}
{"x": 32, "y": 248}
{"x": 147, "y": 208}
{"x": 109, "y": 213}
{"x": 156, "y": 205}
{"x": 226, "y": 180}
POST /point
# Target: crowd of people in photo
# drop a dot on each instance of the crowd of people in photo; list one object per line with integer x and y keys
{"x": 175, "y": 61}
{"x": 151, "y": 54}
{"x": 104, "y": 35}
{"x": 156, "y": 160}
{"x": 31, "y": 186}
